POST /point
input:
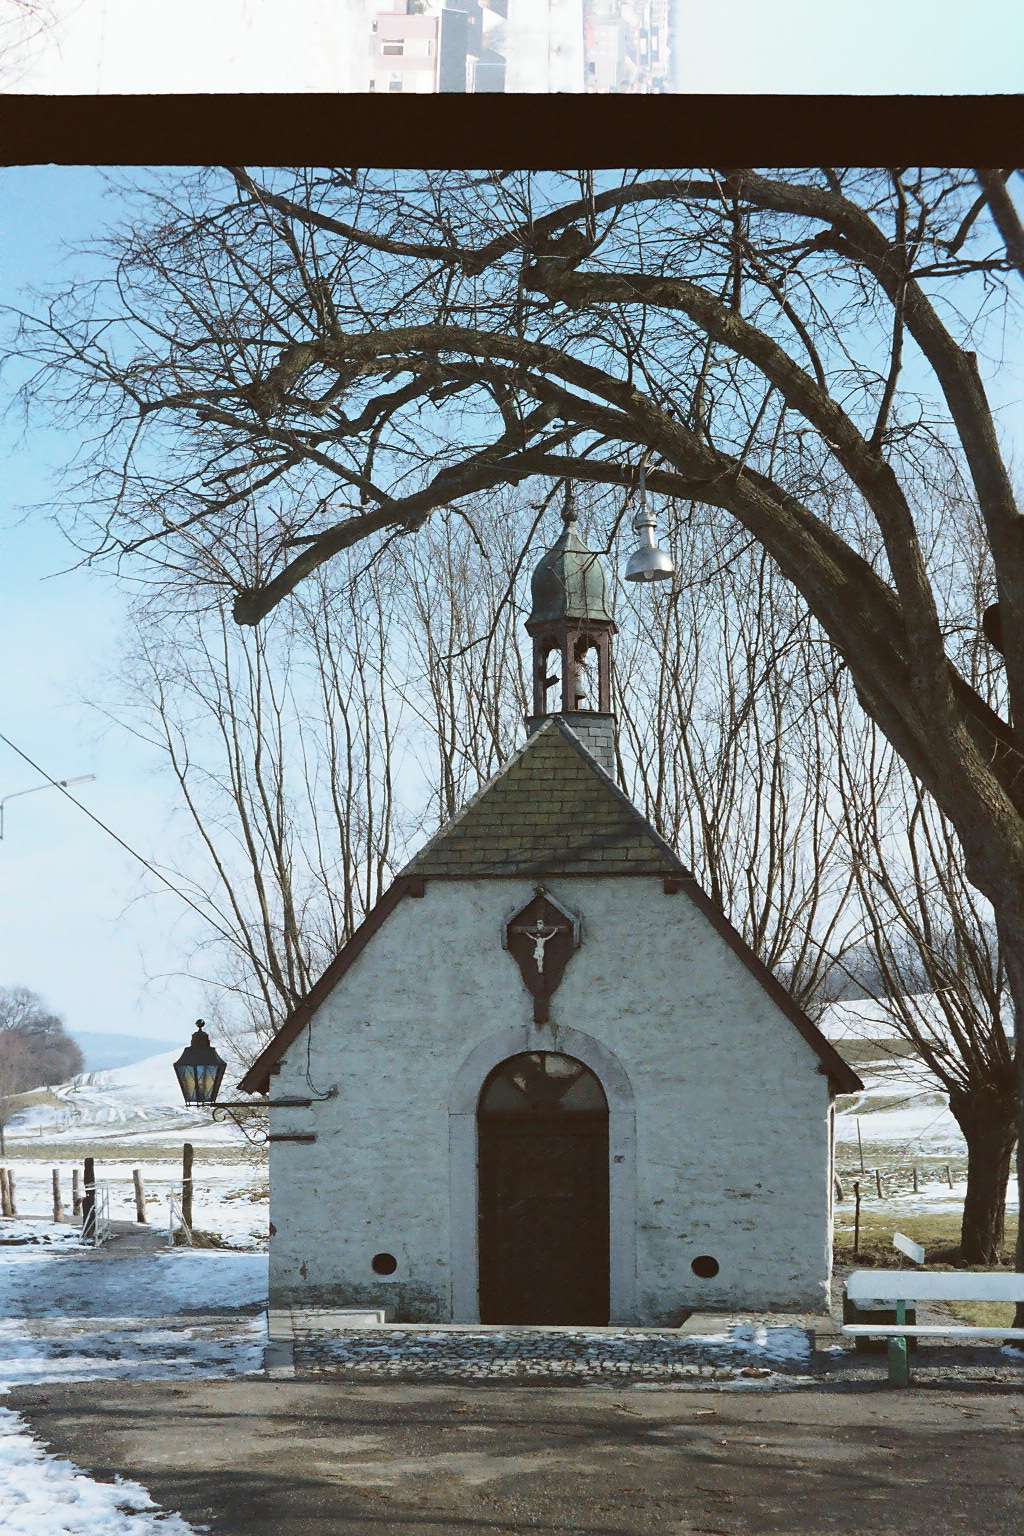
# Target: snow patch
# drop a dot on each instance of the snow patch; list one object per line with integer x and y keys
{"x": 45, "y": 1495}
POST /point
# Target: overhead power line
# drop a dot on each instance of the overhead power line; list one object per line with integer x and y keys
{"x": 56, "y": 783}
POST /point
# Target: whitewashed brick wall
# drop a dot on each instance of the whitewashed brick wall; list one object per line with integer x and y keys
{"x": 732, "y": 1125}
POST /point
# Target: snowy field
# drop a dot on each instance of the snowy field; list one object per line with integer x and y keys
{"x": 133, "y": 1117}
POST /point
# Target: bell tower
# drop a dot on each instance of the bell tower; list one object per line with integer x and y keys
{"x": 571, "y": 630}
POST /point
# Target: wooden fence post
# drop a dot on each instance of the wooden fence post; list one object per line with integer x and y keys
{"x": 76, "y": 1194}
{"x": 187, "y": 1154}
{"x": 839, "y": 1188}
{"x": 949, "y": 1176}
{"x": 12, "y": 1197}
{"x": 58, "y": 1204}
{"x": 878, "y": 1184}
{"x": 140, "y": 1196}
{"x": 5, "y": 1194}
{"x": 89, "y": 1202}
{"x": 915, "y": 1181}
{"x": 856, "y": 1217}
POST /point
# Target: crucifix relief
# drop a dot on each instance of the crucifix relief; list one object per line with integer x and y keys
{"x": 541, "y": 938}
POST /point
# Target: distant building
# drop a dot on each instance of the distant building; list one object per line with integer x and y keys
{"x": 404, "y": 49}
{"x": 485, "y": 71}
{"x": 434, "y": 45}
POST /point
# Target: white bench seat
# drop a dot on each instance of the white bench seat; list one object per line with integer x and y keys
{"x": 910, "y": 1285}
{"x": 874, "y": 1289}
{"x": 929, "y": 1331}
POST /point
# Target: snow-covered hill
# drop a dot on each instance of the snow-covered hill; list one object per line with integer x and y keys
{"x": 141, "y": 1102}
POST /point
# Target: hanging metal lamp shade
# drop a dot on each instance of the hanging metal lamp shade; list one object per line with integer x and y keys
{"x": 648, "y": 562}
{"x": 199, "y": 1069}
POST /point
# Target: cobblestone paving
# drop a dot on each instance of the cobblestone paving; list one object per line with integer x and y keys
{"x": 744, "y": 1352}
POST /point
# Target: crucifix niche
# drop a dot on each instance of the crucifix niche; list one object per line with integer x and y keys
{"x": 542, "y": 938}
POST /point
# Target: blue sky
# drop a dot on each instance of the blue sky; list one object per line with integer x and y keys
{"x": 72, "y": 926}
{"x": 895, "y": 47}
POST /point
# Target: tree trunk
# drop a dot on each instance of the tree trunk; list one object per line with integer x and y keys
{"x": 186, "y": 1184}
{"x": 1015, "y": 974}
{"x": 988, "y": 1120}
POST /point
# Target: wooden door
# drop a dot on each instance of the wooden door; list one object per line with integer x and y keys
{"x": 543, "y": 1193}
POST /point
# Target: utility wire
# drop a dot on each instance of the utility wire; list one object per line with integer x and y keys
{"x": 120, "y": 840}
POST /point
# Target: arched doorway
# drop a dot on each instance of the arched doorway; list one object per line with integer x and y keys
{"x": 542, "y": 1124}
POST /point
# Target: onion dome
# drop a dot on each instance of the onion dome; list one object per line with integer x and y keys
{"x": 569, "y": 582}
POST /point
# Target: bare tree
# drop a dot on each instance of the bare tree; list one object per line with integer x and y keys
{"x": 943, "y": 977}
{"x": 22, "y": 23}
{"x": 724, "y": 693}
{"x": 465, "y": 681}
{"x": 397, "y": 342}
{"x": 280, "y": 742}
{"x": 932, "y": 936}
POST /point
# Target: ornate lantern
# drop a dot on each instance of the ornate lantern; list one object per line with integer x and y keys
{"x": 199, "y": 1069}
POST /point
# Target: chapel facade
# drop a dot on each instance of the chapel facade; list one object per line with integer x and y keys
{"x": 547, "y": 1081}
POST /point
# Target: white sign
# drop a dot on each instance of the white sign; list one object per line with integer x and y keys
{"x": 906, "y": 1245}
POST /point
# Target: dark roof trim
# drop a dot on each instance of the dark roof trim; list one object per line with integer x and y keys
{"x": 842, "y": 1078}
{"x": 257, "y": 1079}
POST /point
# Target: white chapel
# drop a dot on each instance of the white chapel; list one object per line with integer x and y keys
{"x": 546, "y": 1081}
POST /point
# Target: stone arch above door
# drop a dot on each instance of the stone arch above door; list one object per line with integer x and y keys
{"x": 462, "y": 1130}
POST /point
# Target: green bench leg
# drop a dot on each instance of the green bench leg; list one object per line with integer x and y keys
{"x": 899, "y": 1362}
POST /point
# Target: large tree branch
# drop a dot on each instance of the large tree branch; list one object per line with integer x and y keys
{"x": 859, "y": 612}
{"x": 863, "y": 461}
{"x": 1004, "y": 215}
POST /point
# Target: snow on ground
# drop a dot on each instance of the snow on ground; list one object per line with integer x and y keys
{"x": 71, "y": 1317}
{"x": 45, "y": 1495}
{"x": 229, "y": 1198}
{"x": 15, "y": 1232}
{"x": 86, "y": 1315}
{"x": 180, "y": 1282}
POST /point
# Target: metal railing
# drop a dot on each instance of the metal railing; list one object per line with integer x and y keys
{"x": 96, "y": 1221}
{"x": 175, "y": 1213}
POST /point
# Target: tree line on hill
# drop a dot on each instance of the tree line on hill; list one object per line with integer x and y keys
{"x": 35, "y": 1050}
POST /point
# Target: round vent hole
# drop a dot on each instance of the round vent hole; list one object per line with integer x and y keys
{"x": 705, "y": 1267}
{"x": 386, "y": 1263}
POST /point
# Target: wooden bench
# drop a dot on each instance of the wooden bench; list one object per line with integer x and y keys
{"x": 903, "y": 1288}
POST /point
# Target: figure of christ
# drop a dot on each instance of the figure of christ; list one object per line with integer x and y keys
{"x": 541, "y": 936}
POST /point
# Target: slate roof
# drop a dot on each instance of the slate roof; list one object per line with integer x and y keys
{"x": 550, "y": 810}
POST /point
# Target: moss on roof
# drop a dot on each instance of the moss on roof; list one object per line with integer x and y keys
{"x": 551, "y": 809}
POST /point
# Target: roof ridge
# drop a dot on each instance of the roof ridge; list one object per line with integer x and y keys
{"x": 659, "y": 842}
{"x": 463, "y": 810}
{"x": 543, "y": 814}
